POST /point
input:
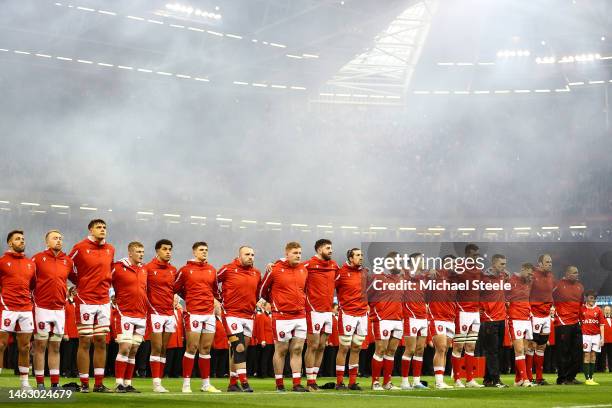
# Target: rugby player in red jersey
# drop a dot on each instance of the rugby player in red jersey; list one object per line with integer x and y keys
{"x": 238, "y": 283}
{"x": 17, "y": 280}
{"x": 519, "y": 313}
{"x": 160, "y": 294}
{"x": 196, "y": 282}
{"x": 319, "y": 303}
{"x": 387, "y": 323}
{"x": 351, "y": 284}
{"x": 541, "y": 301}
{"x": 415, "y": 324}
{"x": 284, "y": 286}
{"x": 468, "y": 319}
{"x": 52, "y": 269}
{"x": 93, "y": 260}
{"x": 129, "y": 279}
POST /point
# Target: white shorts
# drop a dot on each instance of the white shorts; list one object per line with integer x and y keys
{"x": 319, "y": 322}
{"x": 96, "y": 316}
{"x": 591, "y": 342}
{"x": 349, "y": 325}
{"x": 50, "y": 321}
{"x": 443, "y": 328}
{"x": 131, "y": 326}
{"x": 520, "y": 329}
{"x": 200, "y": 323}
{"x": 541, "y": 325}
{"x": 235, "y": 325}
{"x": 469, "y": 322}
{"x": 285, "y": 330}
{"x": 384, "y": 329}
{"x": 19, "y": 322}
{"x": 162, "y": 323}
{"x": 415, "y": 327}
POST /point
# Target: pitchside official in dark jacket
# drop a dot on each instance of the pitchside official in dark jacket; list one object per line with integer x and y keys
{"x": 493, "y": 319}
{"x": 568, "y": 295}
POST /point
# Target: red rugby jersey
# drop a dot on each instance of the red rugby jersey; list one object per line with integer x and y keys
{"x": 238, "y": 286}
{"x": 17, "y": 280}
{"x": 160, "y": 287}
{"x": 92, "y": 271}
{"x": 51, "y": 274}
{"x": 196, "y": 282}
{"x": 351, "y": 284}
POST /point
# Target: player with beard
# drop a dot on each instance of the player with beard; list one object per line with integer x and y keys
{"x": 387, "y": 324}
{"x": 160, "y": 294}
{"x": 285, "y": 288}
{"x": 17, "y": 280}
{"x": 52, "y": 269}
{"x": 540, "y": 300}
{"x": 319, "y": 302}
{"x": 351, "y": 283}
{"x": 238, "y": 283}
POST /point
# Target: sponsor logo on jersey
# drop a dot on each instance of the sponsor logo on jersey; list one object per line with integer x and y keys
{"x": 7, "y": 322}
{"x": 281, "y": 334}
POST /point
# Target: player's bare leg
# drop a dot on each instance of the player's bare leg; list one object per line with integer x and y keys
{"x": 53, "y": 359}
{"x": 206, "y": 340}
{"x": 157, "y": 360}
{"x": 278, "y": 361}
{"x": 99, "y": 361}
{"x": 313, "y": 358}
{"x": 409, "y": 349}
{"x": 38, "y": 359}
{"x": 296, "y": 346}
{"x": 23, "y": 360}
{"x": 85, "y": 342}
{"x": 440, "y": 343}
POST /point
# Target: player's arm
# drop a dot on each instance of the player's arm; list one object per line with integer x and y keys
{"x": 72, "y": 275}
{"x": 179, "y": 284}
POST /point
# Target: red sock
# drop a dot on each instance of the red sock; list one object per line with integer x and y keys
{"x": 84, "y": 379}
{"x": 387, "y": 369}
{"x": 242, "y": 375}
{"x": 456, "y": 362}
{"x": 376, "y": 368}
{"x": 353, "y": 374}
{"x": 339, "y": 374}
{"x": 279, "y": 381}
{"x": 539, "y": 366}
{"x": 417, "y": 365}
{"x": 120, "y": 367}
{"x": 54, "y": 374}
{"x": 470, "y": 360}
{"x": 98, "y": 376}
{"x": 529, "y": 366}
{"x": 233, "y": 379}
{"x": 40, "y": 378}
{"x": 154, "y": 369}
{"x": 204, "y": 364}
{"x": 187, "y": 365}
{"x": 297, "y": 379}
{"x": 519, "y": 368}
{"x": 129, "y": 369}
{"x": 406, "y": 366}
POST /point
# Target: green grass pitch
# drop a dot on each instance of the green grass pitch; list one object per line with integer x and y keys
{"x": 264, "y": 396}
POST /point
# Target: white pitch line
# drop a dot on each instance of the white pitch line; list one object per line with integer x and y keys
{"x": 177, "y": 394}
{"x": 585, "y": 406}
